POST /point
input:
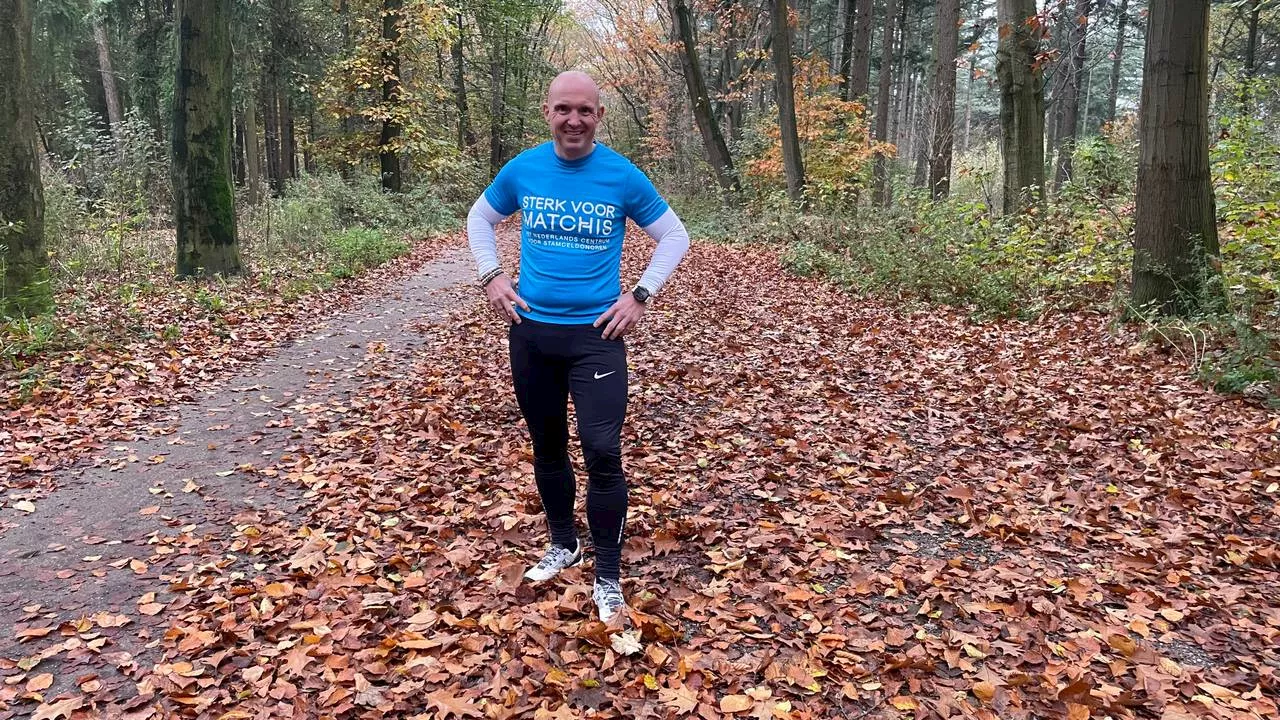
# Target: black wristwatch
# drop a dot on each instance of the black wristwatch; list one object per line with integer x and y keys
{"x": 641, "y": 294}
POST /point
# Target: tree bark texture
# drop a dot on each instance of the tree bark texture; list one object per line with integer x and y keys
{"x": 1021, "y": 104}
{"x": 1175, "y": 233}
{"x": 858, "y": 81}
{"x": 792, "y": 163}
{"x": 388, "y": 156}
{"x": 204, "y": 209}
{"x": 944, "y": 98}
{"x": 252, "y": 160}
{"x": 880, "y": 169}
{"x": 1113, "y": 93}
{"x": 1070, "y": 115}
{"x": 25, "y": 265}
{"x": 712, "y": 139}
{"x": 112, "y": 94}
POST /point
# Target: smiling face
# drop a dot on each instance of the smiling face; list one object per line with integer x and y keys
{"x": 573, "y": 110}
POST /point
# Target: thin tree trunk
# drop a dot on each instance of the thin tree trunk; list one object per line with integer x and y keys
{"x": 114, "y": 115}
{"x": 1175, "y": 233}
{"x": 204, "y": 207}
{"x": 151, "y": 45}
{"x": 1250, "y": 55}
{"x": 22, "y": 255}
{"x": 944, "y": 98}
{"x": 271, "y": 128}
{"x": 717, "y": 151}
{"x": 237, "y": 152}
{"x": 466, "y": 138}
{"x": 858, "y": 81}
{"x": 1021, "y": 105}
{"x": 252, "y": 161}
{"x": 919, "y": 132}
{"x": 1070, "y": 108}
{"x": 388, "y": 154}
{"x": 495, "y": 114}
{"x": 288, "y": 139}
{"x": 1113, "y": 92}
{"x": 880, "y": 169}
{"x": 792, "y": 163}
{"x": 1083, "y": 129}
{"x": 968, "y": 104}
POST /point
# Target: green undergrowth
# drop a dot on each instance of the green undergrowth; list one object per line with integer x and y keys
{"x": 1073, "y": 252}
{"x": 323, "y": 231}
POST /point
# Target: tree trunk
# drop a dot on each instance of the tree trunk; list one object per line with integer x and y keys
{"x": 712, "y": 139}
{"x": 792, "y": 163}
{"x": 1021, "y": 105}
{"x": 1053, "y": 105}
{"x": 271, "y": 128}
{"x": 1175, "y": 234}
{"x": 968, "y": 104}
{"x": 252, "y": 161}
{"x": 151, "y": 46}
{"x": 880, "y": 170}
{"x": 857, "y": 79}
{"x": 1070, "y": 115}
{"x": 496, "y": 105}
{"x": 114, "y": 115}
{"x": 288, "y": 138}
{"x": 1250, "y": 55}
{"x": 388, "y": 155}
{"x": 204, "y": 210}
{"x": 22, "y": 256}
{"x": 944, "y": 98}
{"x": 921, "y": 141}
{"x": 1113, "y": 93}
{"x": 466, "y": 138}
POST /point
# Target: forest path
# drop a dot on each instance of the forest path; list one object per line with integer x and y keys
{"x": 118, "y": 523}
{"x": 837, "y": 509}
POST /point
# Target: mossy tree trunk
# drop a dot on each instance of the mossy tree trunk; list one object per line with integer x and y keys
{"x": 22, "y": 256}
{"x": 204, "y": 209}
{"x": 22, "y": 203}
{"x": 1021, "y": 104}
{"x": 1175, "y": 233}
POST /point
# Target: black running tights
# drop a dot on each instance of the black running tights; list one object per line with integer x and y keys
{"x": 548, "y": 364}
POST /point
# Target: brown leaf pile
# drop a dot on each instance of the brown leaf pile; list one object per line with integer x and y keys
{"x": 837, "y": 510}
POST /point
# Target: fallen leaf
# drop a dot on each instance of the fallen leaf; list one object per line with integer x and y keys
{"x": 735, "y": 703}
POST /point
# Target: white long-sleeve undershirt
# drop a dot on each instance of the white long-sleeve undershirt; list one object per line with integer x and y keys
{"x": 668, "y": 230}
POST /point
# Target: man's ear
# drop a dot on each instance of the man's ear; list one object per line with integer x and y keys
{"x": 600, "y": 112}
{"x": 545, "y": 109}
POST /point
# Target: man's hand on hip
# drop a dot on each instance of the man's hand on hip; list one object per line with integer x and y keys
{"x": 620, "y": 318}
{"x": 503, "y": 298}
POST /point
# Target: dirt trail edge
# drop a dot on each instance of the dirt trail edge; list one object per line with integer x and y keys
{"x": 95, "y": 549}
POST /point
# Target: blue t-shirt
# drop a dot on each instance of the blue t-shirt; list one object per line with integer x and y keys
{"x": 574, "y": 215}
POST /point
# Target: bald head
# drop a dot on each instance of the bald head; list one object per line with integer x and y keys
{"x": 575, "y": 82}
{"x": 573, "y": 111}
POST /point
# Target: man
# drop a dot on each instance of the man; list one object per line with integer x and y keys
{"x": 568, "y": 319}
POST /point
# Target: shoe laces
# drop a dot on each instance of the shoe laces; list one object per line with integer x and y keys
{"x": 556, "y": 557}
{"x": 609, "y": 595}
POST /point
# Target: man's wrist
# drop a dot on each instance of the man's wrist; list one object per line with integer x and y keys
{"x": 489, "y": 277}
{"x": 641, "y": 294}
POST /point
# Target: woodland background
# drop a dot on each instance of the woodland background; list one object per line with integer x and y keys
{"x": 358, "y": 125}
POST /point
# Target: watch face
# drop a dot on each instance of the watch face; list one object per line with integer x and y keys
{"x": 640, "y": 294}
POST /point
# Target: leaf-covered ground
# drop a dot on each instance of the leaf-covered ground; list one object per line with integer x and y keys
{"x": 117, "y": 353}
{"x": 837, "y": 510}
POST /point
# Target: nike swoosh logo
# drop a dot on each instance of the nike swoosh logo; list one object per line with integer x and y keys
{"x": 604, "y": 375}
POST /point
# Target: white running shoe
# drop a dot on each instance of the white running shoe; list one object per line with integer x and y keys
{"x": 556, "y": 559}
{"x": 608, "y": 597}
